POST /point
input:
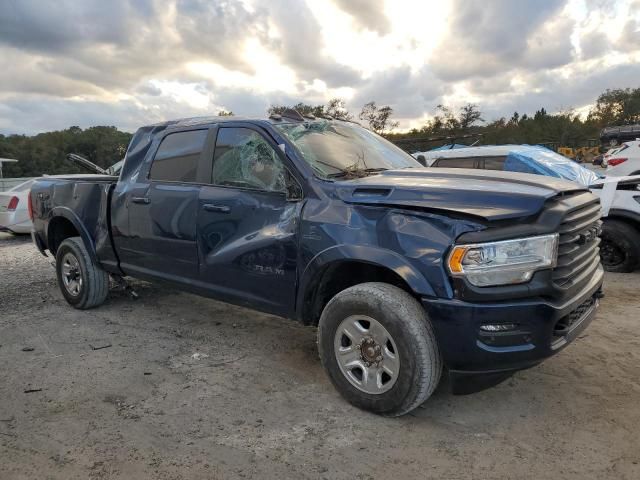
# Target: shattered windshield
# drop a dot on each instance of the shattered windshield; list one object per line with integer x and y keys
{"x": 339, "y": 149}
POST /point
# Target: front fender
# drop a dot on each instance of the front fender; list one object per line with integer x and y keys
{"x": 376, "y": 256}
{"x": 69, "y": 214}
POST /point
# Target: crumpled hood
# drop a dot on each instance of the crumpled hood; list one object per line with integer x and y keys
{"x": 492, "y": 195}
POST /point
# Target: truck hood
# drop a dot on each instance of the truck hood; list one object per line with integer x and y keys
{"x": 491, "y": 195}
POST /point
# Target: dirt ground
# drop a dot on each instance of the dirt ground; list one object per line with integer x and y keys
{"x": 189, "y": 388}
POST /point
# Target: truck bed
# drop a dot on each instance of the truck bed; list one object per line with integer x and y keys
{"x": 83, "y": 201}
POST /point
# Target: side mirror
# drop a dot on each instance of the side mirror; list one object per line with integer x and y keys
{"x": 421, "y": 160}
{"x": 294, "y": 190}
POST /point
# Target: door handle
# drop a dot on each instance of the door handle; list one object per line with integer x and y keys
{"x": 144, "y": 200}
{"x": 209, "y": 207}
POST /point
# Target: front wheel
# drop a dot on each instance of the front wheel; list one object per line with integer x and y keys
{"x": 82, "y": 282}
{"x": 378, "y": 347}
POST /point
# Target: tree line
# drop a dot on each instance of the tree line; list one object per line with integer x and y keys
{"x": 45, "y": 153}
{"x": 467, "y": 125}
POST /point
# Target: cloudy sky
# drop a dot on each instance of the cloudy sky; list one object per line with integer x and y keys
{"x": 133, "y": 62}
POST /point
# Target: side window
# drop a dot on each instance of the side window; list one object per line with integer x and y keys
{"x": 243, "y": 158}
{"x": 515, "y": 164}
{"x": 455, "y": 162}
{"x": 177, "y": 157}
{"x": 494, "y": 163}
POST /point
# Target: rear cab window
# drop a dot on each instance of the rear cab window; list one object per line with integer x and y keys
{"x": 178, "y": 156}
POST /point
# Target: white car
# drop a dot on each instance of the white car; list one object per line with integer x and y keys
{"x": 607, "y": 155}
{"x": 14, "y": 210}
{"x": 14, "y": 213}
{"x": 619, "y": 196}
{"x": 624, "y": 160}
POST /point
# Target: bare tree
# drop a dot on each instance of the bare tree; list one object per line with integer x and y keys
{"x": 302, "y": 108}
{"x": 336, "y": 108}
{"x": 469, "y": 114}
{"x": 378, "y": 118}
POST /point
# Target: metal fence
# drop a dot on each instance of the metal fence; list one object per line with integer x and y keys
{"x": 9, "y": 183}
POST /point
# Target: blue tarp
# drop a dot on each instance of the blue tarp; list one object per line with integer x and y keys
{"x": 534, "y": 159}
{"x": 542, "y": 161}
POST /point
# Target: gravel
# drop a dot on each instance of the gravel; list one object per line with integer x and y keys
{"x": 190, "y": 388}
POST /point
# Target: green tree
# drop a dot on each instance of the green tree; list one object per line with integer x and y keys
{"x": 45, "y": 153}
{"x": 617, "y": 107}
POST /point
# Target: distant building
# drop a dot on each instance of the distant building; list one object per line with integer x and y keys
{"x": 5, "y": 160}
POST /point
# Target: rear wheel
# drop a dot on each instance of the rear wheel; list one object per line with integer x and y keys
{"x": 82, "y": 282}
{"x": 378, "y": 347}
{"x": 620, "y": 247}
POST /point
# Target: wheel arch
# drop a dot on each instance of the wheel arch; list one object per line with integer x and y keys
{"x": 343, "y": 266}
{"x": 64, "y": 223}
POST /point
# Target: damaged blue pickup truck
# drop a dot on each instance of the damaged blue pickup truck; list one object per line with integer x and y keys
{"x": 406, "y": 271}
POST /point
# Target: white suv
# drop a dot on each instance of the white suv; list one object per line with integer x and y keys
{"x": 625, "y": 160}
{"x": 619, "y": 196}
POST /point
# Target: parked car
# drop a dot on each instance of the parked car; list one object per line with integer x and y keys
{"x": 607, "y": 155}
{"x": 598, "y": 160}
{"x": 404, "y": 270}
{"x": 620, "y": 248}
{"x": 14, "y": 217}
{"x": 619, "y": 134}
{"x": 625, "y": 160}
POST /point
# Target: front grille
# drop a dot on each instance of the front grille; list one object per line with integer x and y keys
{"x": 566, "y": 323}
{"x": 578, "y": 250}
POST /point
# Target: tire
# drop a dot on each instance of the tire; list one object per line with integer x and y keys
{"x": 408, "y": 345}
{"x": 82, "y": 282}
{"x": 620, "y": 248}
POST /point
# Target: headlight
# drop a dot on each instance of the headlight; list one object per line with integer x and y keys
{"x": 503, "y": 263}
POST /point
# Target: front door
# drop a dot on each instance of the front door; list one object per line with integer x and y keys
{"x": 247, "y": 230}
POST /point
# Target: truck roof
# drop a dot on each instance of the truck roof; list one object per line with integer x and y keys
{"x": 213, "y": 119}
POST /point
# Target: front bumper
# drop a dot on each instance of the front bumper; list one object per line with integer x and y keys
{"x": 477, "y": 359}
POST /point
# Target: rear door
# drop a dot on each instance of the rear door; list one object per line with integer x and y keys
{"x": 247, "y": 229}
{"x": 163, "y": 208}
